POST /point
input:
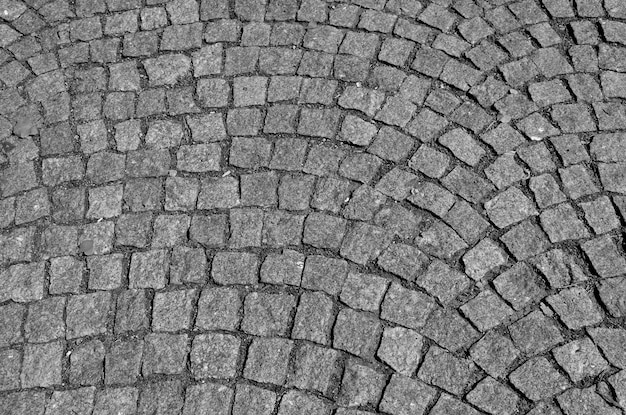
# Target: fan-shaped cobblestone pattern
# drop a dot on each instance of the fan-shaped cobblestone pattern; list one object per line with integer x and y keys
{"x": 304, "y": 207}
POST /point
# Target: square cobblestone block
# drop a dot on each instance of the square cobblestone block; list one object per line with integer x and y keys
{"x": 148, "y": 269}
{"x": 357, "y": 333}
{"x": 407, "y": 307}
{"x": 235, "y": 268}
{"x": 164, "y": 354}
{"x": 267, "y": 314}
{"x": 494, "y": 353}
{"x": 406, "y": 395}
{"x": 214, "y": 355}
{"x": 88, "y": 314}
{"x": 314, "y": 318}
{"x": 268, "y": 360}
{"x": 132, "y": 311}
{"x": 41, "y": 366}
{"x": 361, "y": 385}
{"x": 538, "y": 379}
{"x": 172, "y": 310}
{"x": 364, "y": 291}
{"x": 535, "y": 333}
{"x": 218, "y": 308}
{"x": 316, "y": 368}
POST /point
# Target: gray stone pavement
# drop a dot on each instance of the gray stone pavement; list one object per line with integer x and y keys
{"x": 255, "y": 207}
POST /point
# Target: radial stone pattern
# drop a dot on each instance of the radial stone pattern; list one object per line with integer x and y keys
{"x": 309, "y": 207}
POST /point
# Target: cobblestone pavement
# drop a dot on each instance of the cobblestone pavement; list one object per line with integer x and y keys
{"x": 304, "y": 207}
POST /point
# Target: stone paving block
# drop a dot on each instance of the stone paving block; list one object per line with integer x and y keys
{"x": 525, "y": 240}
{"x": 397, "y": 184}
{"x": 267, "y": 360}
{"x": 494, "y": 353}
{"x": 132, "y": 311}
{"x": 11, "y": 316}
{"x": 487, "y": 310}
{"x": 219, "y": 193}
{"x": 294, "y": 192}
{"x": 399, "y": 220}
{"x": 164, "y": 354}
{"x": 361, "y": 385}
{"x": 171, "y": 311}
{"x": 535, "y": 333}
{"x": 324, "y": 231}
{"x": 218, "y": 308}
{"x": 608, "y": 340}
{"x": 364, "y": 242}
{"x": 537, "y": 157}
{"x": 295, "y": 401}
{"x": 11, "y": 367}
{"x": 538, "y": 379}
{"x": 520, "y": 286}
{"x": 160, "y": 398}
{"x": 429, "y": 161}
{"x": 363, "y": 291}
{"x": 448, "y": 329}
{"x": 267, "y": 314}
{"x": 210, "y": 395}
{"x": 405, "y": 395}
{"x": 250, "y": 399}
{"x": 78, "y": 401}
{"x": 148, "y": 269}
{"x": 87, "y": 314}
{"x": 44, "y": 321}
{"x": 87, "y": 363}
{"x": 612, "y": 294}
{"x": 403, "y": 260}
{"x": 575, "y": 307}
{"x": 41, "y": 366}
{"x": 504, "y": 171}
{"x": 580, "y": 359}
{"x": 442, "y": 281}
{"x": 605, "y": 256}
{"x": 401, "y": 349}
{"x": 245, "y": 227}
{"x": 431, "y": 197}
{"x": 577, "y": 181}
{"x": 493, "y": 397}
{"x": 314, "y": 318}
{"x": 612, "y": 176}
{"x": 364, "y": 204}
{"x": 259, "y": 189}
{"x": 407, "y": 307}
{"x": 214, "y": 355}
{"x": 446, "y": 371}
{"x": 561, "y": 223}
{"x": 361, "y": 167}
{"x": 315, "y": 368}
{"x": 466, "y": 221}
{"x": 357, "y": 333}
{"x": 123, "y": 362}
{"x": 467, "y": 184}
{"x": 579, "y": 401}
{"x": 440, "y": 240}
{"x": 325, "y": 274}
{"x": 546, "y": 190}
{"x": 509, "y": 207}
{"x": 462, "y": 146}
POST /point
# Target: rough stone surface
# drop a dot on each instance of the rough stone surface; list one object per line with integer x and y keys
{"x": 310, "y": 207}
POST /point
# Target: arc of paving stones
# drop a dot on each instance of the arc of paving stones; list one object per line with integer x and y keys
{"x": 308, "y": 207}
